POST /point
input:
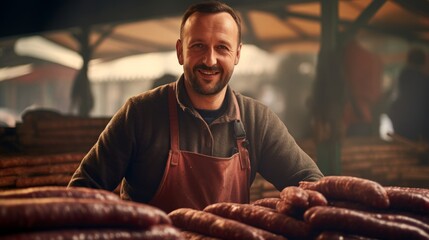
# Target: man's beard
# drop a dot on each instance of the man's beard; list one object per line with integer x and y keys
{"x": 199, "y": 87}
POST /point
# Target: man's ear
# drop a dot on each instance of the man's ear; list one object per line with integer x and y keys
{"x": 237, "y": 57}
{"x": 179, "y": 51}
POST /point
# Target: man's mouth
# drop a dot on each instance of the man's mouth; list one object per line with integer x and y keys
{"x": 208, "y": 72}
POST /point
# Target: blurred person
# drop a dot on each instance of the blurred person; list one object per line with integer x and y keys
{"x": 409, "y": 112}
{"x": 195, "y": 142}
{"x": 363, "y": 81}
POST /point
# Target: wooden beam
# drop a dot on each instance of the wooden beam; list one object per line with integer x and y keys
{"x": 362, "y": 19}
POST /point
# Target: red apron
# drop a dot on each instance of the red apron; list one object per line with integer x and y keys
{"x": 195, "y": 180}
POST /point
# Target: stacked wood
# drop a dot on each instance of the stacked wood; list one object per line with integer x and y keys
{"x": 46, "y": 132}
{"x": 79, "y": 213}
{"x": 389, "y": 163}
{"x": 22, "y": 171}
{"x": 335, "y": 207}
{"x": 397, "y": 162}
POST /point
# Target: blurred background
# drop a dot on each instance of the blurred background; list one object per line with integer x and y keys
{"x": 329, "y": 69}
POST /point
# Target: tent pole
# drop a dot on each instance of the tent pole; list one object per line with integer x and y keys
{"x": 328, "y": 95}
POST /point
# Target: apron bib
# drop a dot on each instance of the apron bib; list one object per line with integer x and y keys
{"x": 193, "y": 180}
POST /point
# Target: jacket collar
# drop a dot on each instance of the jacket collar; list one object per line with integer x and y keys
{"x": 186, "y": 105}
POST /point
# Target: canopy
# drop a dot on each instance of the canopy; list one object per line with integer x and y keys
{"x": 123, "y": 28}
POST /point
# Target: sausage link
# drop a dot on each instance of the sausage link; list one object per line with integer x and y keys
{"x": 288, "y": 209}
{"x": 267, "y": 202}
{"x": 296, "y": 196}
{"x": 261, "y": 218}
{"x": 421, "y": 217}
{"x": 402, "y": 219}
{"x": 43, "y": 180}
{"x": 156, "y": 232}
{"x": 411, "y": 200}
{"x": 196, "y": 236}
{"x": 324, "y": 218}
{"x": 423, "y": 191}
{"x": 352, "y": 189}
{"x": 315, "y": 198}
{"x": 295, "y": 200}
{"x": 339, "y": 236}
{"x": 29, "y": 214}
{"x": 211, "y": 225}
{"x": 387, "y": 214}
{"x": 351, "y": 205}
{"x": 59, "y": 191}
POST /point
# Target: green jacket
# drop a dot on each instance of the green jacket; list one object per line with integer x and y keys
{"x": 134, "y": 146}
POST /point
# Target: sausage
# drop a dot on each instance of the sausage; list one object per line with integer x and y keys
{"x": 29, "y": 160}
{"x": 196, "y": 236}
{"x": 43, "y": 180}
{"x": 40, "y": 170}
{"x": 351, "y": 205}
{"x": 339, "y": 236}
{"x": 398, "y": 216}
{"x": 295, "y": 200}
{"x": 211, "y": 225}
{"x": 295, "y": 196}
{"x": 421, "y": 217}
{"x": 402, "y": 219}
{"x": 261, "y": 218}
{"x": 325, "y": 218}
{"x": 37, "y": 213}
{"x": 408, "y": 200}
{"x": 288, "y": 209}
{"x": 59, "y": 191}
{"x": 267, "y": 202}
{"x": 155, "y": 232}
{"x": 423, "y": 191}
{"x": 352, "y": 189}
{"x": 316, "y": 198}
{"x": 9, "y": 181}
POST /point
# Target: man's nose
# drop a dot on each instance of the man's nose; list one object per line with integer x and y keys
{"x": 210, "y": 58}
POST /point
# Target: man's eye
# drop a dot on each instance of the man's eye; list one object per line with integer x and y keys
{"x": 223, "y": 47}
{"x": 198, "y": 45}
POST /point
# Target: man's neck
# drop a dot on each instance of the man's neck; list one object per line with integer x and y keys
{"x": 206, "y": 102}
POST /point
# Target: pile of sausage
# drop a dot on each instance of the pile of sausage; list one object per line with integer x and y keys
{"x": 335, "y": 207}
{"x": 79, "y": 213}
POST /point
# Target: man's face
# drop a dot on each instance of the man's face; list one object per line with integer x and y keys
{"x": 209, "y": 50}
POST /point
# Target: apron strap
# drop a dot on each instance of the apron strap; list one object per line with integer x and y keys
{"x": 240, "y": 136}
{"x": 174, "y": 128}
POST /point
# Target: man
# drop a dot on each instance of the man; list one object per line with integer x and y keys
{"x": 195, "y": 142}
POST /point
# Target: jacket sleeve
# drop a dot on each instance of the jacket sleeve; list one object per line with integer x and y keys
{"x": 105, "y": 164}
{"x": 281, "y": 161}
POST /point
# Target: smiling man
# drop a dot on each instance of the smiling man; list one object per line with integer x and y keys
{"x": 208, "y": 49}
{"x": 195, "y": 142}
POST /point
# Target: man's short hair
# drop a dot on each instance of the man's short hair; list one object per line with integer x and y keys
{"x": 211, "y": 7}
